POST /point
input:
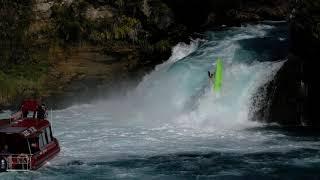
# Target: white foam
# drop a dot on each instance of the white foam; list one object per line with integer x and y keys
{"x": 174, "y": 109}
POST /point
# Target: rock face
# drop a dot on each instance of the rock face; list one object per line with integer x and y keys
{"x": 295, "y": 92}
{"x": 103, "y": 12}
{"x": 210, "y": 13}
{"x": 67, "y": 44}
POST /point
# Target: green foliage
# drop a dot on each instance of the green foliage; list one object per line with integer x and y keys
{"x": 73, "y": 27}
{"x": 24, "y": 60}
{"x": 67, "y": 23}
{"x": 70, "y": 25}
{"x": 163, "y": 46}
{"x": 6, "y": 88}
{"x": 123, "y": 28}
{"x": 15, "y": 18}
{"x": 97, "y": 37}
{"x": 30, "y": 72}
{"x": 12, "y": 87}
{"x": 126, "y": 27}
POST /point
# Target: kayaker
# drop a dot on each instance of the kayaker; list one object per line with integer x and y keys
{"x": 41, "y": 112}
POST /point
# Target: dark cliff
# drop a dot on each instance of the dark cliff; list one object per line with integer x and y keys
{"x": 293, "y": 93}
{"x": 210, "y": 13}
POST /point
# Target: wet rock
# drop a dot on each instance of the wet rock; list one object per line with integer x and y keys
{"x": 103, "y": 12}
{"x": 42, "y": 9}
{"x": 210, "y": 13}
{"x": 75, "y": 163}
{"x": 295, "y": 88}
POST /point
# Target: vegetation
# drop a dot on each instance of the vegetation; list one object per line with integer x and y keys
{"x": 23, "y": 63}
{"x": 72, "y": 26}
{"x": 139, "y": 27}
{"x": 69, "y": 23}
{"x": 14, "y": 20}
{"x": 16, "y": 87}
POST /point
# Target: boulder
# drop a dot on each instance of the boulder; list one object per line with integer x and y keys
{"x": 295, "y": 88}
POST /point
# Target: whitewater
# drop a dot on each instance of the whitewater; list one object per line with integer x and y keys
{"x": 173, "y": 126}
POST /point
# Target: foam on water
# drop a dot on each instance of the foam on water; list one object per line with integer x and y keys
{"x": 174, "y": 111}
{"x": 174, "y": 103}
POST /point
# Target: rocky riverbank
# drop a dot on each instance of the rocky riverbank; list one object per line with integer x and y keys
{"x": 61, "y": 48}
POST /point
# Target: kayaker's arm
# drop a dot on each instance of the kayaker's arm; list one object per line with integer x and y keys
{"x": 210, "y": 75}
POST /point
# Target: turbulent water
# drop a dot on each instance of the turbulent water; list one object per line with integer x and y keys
{"x": 172, "y": 125}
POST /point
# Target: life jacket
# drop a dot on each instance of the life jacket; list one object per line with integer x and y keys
{"x": 29, "y": 105}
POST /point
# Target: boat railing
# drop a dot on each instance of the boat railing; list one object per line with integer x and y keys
{"x": 18, "y": 162}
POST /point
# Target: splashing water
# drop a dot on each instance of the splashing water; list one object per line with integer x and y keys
{"x": 172, "y": 125}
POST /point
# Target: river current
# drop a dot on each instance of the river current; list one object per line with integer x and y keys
{"x": 173, "y": 126}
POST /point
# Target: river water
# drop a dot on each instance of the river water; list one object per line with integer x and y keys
{"x": 173, "y": 126}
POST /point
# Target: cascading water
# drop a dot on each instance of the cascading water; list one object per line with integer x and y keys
{"x": 172, "y": 125}
{"x": 179, "y": 91}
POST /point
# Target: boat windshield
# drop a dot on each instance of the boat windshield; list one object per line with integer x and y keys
{"x": 13, "y": 144}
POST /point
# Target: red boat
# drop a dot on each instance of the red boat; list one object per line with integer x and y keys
{"x": 26, "y": 140}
